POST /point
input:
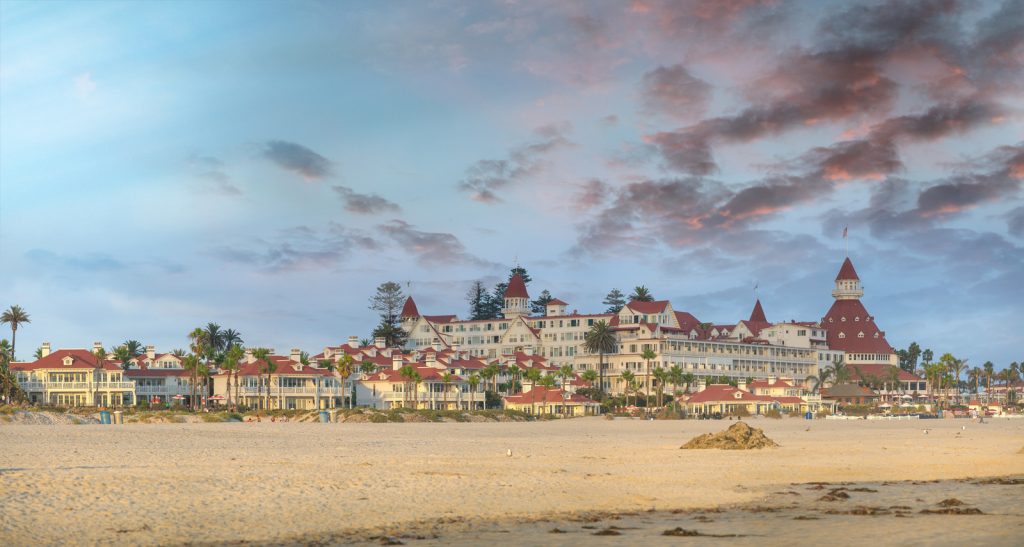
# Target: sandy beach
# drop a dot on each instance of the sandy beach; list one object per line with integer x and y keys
{"x": 301, "y": 482}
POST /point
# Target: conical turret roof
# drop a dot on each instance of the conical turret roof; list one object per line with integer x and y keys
{"x": 847, "y": 271}
{"x": 409, "y": 309}
{"x": 516, "y": 288}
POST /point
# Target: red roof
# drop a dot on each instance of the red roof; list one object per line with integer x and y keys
{"x": 440, "y": 318}
{"x": 721, "y": 392}
{"x": 861, "y": 372}
{"x": 409, "y": 309}
{"x": 557, "y": 302}
{"x": 686, "y": 320}
{"x": 764, "y": 383}
{"x": 145, "y": 371}
{"x": 847, "y": 271}
{"x": 285, "y": 366}
{"x": 658, "y": 306}
{"x": 850, "y": 318}
{"x": 80, "y": 359}
{"x": 757, "y": 315}
{"x": 516, "y": 288}
{"x": 541, "y": 394}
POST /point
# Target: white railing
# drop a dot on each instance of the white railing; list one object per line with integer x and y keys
{"x": 162, "y": 390}
{"x": 312, "y": 391}
{"x": 76, "y": 386}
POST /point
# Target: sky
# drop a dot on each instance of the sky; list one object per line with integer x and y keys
{"x": 265, "y": 165}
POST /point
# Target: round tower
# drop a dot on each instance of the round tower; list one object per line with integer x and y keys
{"x": 517, "y": 300}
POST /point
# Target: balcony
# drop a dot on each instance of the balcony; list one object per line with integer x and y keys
{"x": 162, "y": 390}
{"x": 78, "y": 386}
{"x": 325, "y": 391}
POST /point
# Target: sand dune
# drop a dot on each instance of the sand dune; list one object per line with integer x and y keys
{"x": 169, "y": 483}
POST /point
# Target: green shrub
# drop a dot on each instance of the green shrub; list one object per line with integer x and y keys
{"x": 773, "y": 414}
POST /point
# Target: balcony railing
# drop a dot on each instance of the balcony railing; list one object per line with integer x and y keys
{"x": 162, "y": 390}
{"x": 77, "y": 386}
{"x": 325, "y": 391}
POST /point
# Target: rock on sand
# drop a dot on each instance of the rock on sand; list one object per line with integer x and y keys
{"x": 739, "y": 436}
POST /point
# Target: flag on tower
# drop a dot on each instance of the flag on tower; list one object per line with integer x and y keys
{"x": 846, "y": 231}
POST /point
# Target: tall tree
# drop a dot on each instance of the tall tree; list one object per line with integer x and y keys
{"x": 600, "y": 340}
{"x": 232, "y": 337}
{"x": 661, "y": 375}
{"x": 14, "y": 316}
{"x": 647, "y": 355}
{"x": 989, "y": 369}
{"x": 387, "y": 302}
{"x": 135, "y": 348}
{"x": 474, "y": 381}
{"x": 641, "y": 294}
{"x": 614, "y": 300}
{"x": 497, "y": 301}
{"x": 266, "y": 366}
{"x": 522, "y": 273}
{"x": 479, "y": 301}
{"x": 232, "y": 362}
{"x": 540, "y": 305}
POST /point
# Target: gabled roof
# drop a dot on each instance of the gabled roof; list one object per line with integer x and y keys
{"x": 557, "y": 302}
{"x": 686, "y": 320}
{"x": 541, "y": 394}
{"x": 409, "y": 309}
{"x": 757, "y": 314}
{"x": 863, "y": 372}
{"x": 847, "y": 272}
{"x": 80, "y": 359}
{"x": 658, "y": 306}
{"x": 780, "y": 383}
{"x": 516, "y": 288}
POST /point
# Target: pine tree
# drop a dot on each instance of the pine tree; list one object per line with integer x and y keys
{"x": 540, "y": 305}
{"x": 388, "y": 303}
{"x": 522, "y": 273}
{"x": 479, "y": 301}
{"x": 615, "y": 300}
{"x": 497, "y": 301}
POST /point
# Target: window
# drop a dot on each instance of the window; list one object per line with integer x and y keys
{"x": 860, "y": 335}
{"x": 842, "y": 335}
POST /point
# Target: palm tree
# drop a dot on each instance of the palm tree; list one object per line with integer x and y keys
{"x": 628, "y": 377}
{"x": 822, "y": 378}
{"x": 957, "y": 366}
{"x": 134, "y": 347}
{"x": 367, "y": 367}
{"x": 548, "y": 381}
{"x": 989, "y": 369}
{"x": 600, "y": 340}
{"x": 231, "y": 337}
{"x": 661, "y": 375}
{"x": 446, "y": 381}
{"x": 474, "y": 380}
{"x": 122, "y": 354}
{"x": 407, "y": 372}
{"x": 975, "y": 375}
{"x": 214, "y": 337}
{"x": 840, "y": 372}
{"x": 346, "y": 366}
{"x": 675, "y": 377}
{"x": 101, "y": 356}
{"x": 641, "y": 294}
{"x": 198, "y": 346}
{"x": 590, "y": 376}
{"x": 533, "y": 375}
{"x": 488, "y": 373}
{"x": 191, "y": 364}
{"x": 8, "y": 381}
{"x": 14, "y": 316}
{"x": 565, "y": 372}
{"x": 647, "y": 355}
{"x": 416, "y": 381}
{"x": 232, "y": 362}
{"x": 262, "y": 354}
{"x": 893, "y": 378}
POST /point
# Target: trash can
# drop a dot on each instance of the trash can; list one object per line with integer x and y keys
{"x": 334, "y": 416}
{"x": 105, "y": 417}
{"x": 118, "y": 417}
{"x": 325, "y": 417}
{"x": 808, "y": 416}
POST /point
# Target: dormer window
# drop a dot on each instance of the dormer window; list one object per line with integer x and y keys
{"x": 860, "y": 335}
{"x": 737, "y": 395}
{"x": 842, "y": 335}
{"x": 68, "y": 361}
{"x": 843, "y": 319}
{"x": 876, "y": 335}
{"x": 830, "y": 320}
{"x": 857, "y": 318}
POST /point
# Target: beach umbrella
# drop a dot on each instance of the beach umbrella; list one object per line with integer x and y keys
{"x": 155, "y": 400}
{"x": 178, "y": 397}
{"x": 217, "y": 398}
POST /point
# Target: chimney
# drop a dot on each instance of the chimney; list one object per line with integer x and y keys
{"x": 378, "y": 341}
{"x": 431, "y": 358}
{"x": 248, "y": 355}
{"x": 353, "y": 341}
{"x": 771, "y": 380}
{"x": 151, "y": 352}
{"x": 436, "y": 344}
{"x": 742, "y": 384}
{"x": 296, "y": 354}
{"x": 45, "y": 349}
{"x": 701, "y": 384}
{"x": 396, "y": 361}
{"x": 455, "y": 350}
{"x": 96, "y": 347}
